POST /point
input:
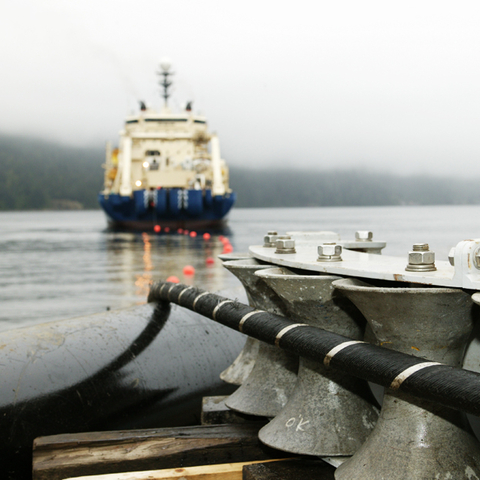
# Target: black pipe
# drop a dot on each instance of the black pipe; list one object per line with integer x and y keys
{"x": 140, "y": 367}
{"x": 449, "y": 386}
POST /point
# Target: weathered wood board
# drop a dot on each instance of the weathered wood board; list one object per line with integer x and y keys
{"x": 61, "y": 456}
{"x": 293, "y": 469}
{"x": 225, "y": 471}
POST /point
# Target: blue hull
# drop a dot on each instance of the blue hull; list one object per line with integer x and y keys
{"x": 174, "y": 208}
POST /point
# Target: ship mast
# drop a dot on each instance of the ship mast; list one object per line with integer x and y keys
{"x": 165, "y": 64}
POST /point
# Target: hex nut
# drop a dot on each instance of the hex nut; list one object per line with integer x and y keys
{"x": 363, "y": 236}
{"x": 329, "y": 249}
{"x": 271, "y": 237}
{"x": 421, "y": 259}
{"x": 268, "y": 240}
{"x": 285, "y": 245}
{"x": 329, "y": 252}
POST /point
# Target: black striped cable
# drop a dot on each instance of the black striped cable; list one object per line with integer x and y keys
{"x": 449, "y": 386}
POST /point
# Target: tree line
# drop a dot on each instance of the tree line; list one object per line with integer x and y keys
{"x": 38, "y": 175}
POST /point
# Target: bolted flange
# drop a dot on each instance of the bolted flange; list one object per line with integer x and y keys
{"x": 285, "y": 245}
{"x": 421, "y": 259}
{"x": 329, "y": 252}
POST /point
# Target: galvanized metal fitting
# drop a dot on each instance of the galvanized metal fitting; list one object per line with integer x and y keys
{"x": 285, "y": 245}
{"x": 363, "y": 236}
{"x": 270, "y": 238}
{"x": 421, "y": 259}
{"x": 329, "y": 252}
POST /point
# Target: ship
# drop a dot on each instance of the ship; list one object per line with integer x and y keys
{"x": 167, "y": 171}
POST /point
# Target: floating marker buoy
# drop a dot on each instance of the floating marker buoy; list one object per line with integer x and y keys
{"x": 225, "y": 241}
{"x": 157, "y": 228}
{"x": 209, "y": 261}
{"x": 180, "y": 230}
{"x": 193, "y": 234}
{"x": 227, "y": 248}
{"x": 188, "y": 270}
{"x": 173, "y": 279}
{"x": 185, "y": 232}
{"x": 221, "y": 237}
{"x": 206, "y": 236}
{"x": 166, "y": 229}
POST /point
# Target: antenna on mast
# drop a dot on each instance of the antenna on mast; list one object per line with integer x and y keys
{"x": 165, "y": 64}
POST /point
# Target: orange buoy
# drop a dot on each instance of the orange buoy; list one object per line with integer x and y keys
{"x": 193, "y": 234}
{"x": 157, "y": 228}
{"x": 173, "y": 279}
{"x": 206, "y": 236}
{"x": 209, "y": 261}
{"x": 185, "y": 232}
{"x": 227, "y": 248}
{"x": 188, "y": 270}
{"x": 180, "y": 230}
{"x": 166, "y": 229}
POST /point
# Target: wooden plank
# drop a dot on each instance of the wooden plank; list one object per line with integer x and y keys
{"x": 226, "y": 471}
{"x": 97, "y": 438}
{"x": 292, "y": 469}
{"x": 60, "y": 456}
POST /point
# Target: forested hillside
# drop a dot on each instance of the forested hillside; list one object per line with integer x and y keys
{"x": 41, "y": 175}
{"x": 298, "y": 188}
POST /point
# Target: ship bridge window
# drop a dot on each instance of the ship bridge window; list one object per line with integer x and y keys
{"x": 131, "y": 121}
{"x": 200, "y": 121}
{"x": 165, "y": 119}
{"x": 152, "y": 153}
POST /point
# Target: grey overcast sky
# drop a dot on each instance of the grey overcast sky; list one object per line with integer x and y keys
{"x": 378, "y": 85}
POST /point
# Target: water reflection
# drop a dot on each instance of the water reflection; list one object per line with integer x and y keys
{"x": 57, "y": 265}
{"x": 135, "y": 260}
{"x": 144, "y": 281}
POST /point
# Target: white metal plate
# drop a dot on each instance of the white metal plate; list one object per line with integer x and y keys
{"x": 364, "y": 265}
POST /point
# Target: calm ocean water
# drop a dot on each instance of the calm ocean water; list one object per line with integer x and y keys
{"x": 57, "y": 265}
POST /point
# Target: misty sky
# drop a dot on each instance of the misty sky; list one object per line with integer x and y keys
{"x": 389, "y": 85}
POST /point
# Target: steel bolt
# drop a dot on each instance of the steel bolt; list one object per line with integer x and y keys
{"x": 285, "y": 245}
{"x": 270, "y": 238}
{"x": 363, "y": 236}
{"x": 421, "y": 259}
{"x": 329, "y": 252}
